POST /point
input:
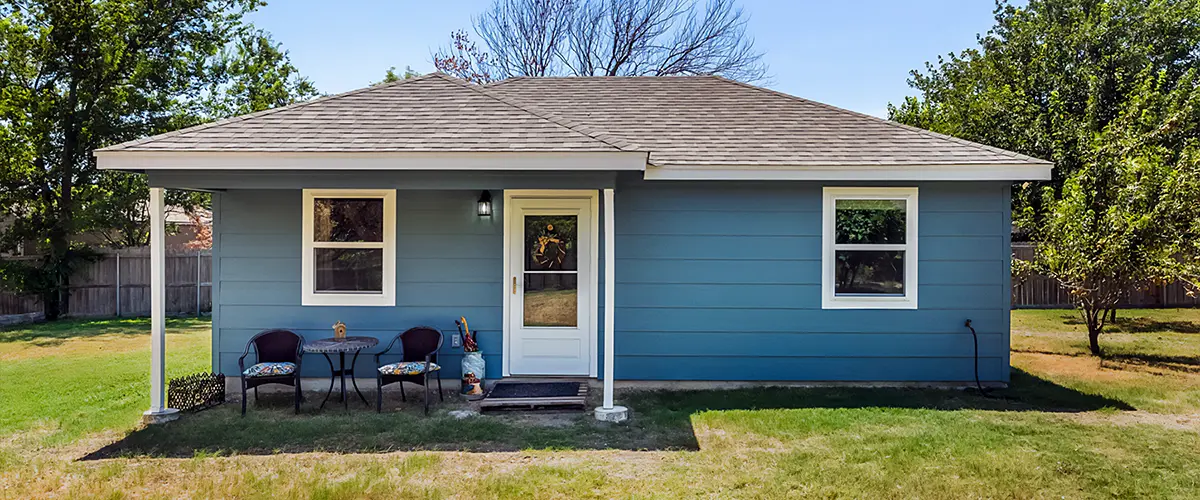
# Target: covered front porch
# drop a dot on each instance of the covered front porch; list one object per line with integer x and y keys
{"x": 441, "y": 256}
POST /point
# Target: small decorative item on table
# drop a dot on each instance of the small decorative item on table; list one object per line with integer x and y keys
{"x": 339, "y": 331}
{"x": 473, "y": 365}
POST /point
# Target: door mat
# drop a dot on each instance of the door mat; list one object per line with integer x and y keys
{"x": 533, "y": 395}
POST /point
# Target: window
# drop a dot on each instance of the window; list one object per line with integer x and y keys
{"x": 349, "y": 254}
{"x": 869, "y": 257}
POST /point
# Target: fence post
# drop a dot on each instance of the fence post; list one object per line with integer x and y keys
{"x": 118, "y": 284}
{"x": 197, "y": 283}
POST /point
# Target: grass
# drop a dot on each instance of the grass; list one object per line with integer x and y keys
{"x": 1056, "y": 432}
{"x": 67, "y": 379}
{"x": 1151, "y": 356}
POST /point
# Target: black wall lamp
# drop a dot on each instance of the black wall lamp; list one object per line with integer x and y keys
{"x": 484, "y": 207}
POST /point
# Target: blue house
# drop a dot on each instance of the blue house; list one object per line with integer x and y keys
{"x": 623, "y": 229}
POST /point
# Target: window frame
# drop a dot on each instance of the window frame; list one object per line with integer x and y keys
{"x": 829, "y": 297}
{"x": 309, "y": 295}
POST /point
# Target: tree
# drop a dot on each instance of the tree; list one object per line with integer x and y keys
{"x": 1127, "y": 218}
{"x": 393, "y": 76}
{"x": 78, "y": 75}
{"x": 605, "y": 38}
{"x": 1049, "y": 75}
{"x": 252, "y": 74}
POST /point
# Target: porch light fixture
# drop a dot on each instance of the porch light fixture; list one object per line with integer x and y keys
{"x": 484, "y": 207}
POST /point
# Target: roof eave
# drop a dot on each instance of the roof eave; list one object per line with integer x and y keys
{"x": 900, "y": 172}
{"x": 141, "y": 160}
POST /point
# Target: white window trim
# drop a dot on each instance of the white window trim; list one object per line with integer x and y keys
{"x": 829, "y": 300}
{"x": 309, "y": 297}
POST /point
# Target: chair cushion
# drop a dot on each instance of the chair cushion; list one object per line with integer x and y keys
{"x": 270, "y": 369}
{"x": 407, "y": 368}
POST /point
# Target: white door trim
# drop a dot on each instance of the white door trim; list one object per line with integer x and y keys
{"x": 594, "y": 261}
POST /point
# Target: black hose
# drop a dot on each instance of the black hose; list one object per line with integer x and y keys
{"x": 975, "y": 338}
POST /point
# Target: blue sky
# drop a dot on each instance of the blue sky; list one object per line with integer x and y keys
{"x": 852, "y": 54}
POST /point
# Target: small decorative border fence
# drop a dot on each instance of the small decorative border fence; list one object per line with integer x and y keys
{"x": 196, "y": 392}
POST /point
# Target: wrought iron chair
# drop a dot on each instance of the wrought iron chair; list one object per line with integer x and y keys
{"x": 418, "y": 358}
{"x": 278, "y": 354}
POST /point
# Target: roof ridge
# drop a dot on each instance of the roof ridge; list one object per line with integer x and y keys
{"x": 895, "y": 124}
{"x": 579, "y": 128}
{"x": 265, "y": 112}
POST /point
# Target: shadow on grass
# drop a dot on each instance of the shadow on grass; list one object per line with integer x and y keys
{"x": 1186, "y": 364}
{"x": 1144, "y": 325}
{"x": 662, "y": 420}
{"x": 55, "y": 333}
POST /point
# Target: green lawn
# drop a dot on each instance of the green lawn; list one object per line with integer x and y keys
{"x": 1061, "y": 430}
{"x": 64, "y": 380}
{"x": 1151, "y": 360}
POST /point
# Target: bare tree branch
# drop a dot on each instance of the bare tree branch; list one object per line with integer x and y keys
{"x": 606, "y": 37}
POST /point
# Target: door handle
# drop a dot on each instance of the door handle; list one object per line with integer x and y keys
{"x": 514, "y": 285}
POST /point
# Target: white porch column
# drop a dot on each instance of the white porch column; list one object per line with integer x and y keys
{"x": 158, "y": 411}
{"x": 609, "y": 411}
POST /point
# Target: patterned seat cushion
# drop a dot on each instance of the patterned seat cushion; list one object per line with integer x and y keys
{"x": 407, "y": 368}
{"x": 270, "y": 369}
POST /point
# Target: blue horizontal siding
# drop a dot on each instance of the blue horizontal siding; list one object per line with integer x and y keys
{"x": 723, "y": 281}
{"x": 448, "y": 265}
{"x": 714, "y": 282}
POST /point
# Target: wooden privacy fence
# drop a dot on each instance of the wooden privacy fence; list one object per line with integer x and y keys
{"x": 1041, "y": 292}
{"x": 118, "y": 284}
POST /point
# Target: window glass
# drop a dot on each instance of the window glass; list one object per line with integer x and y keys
{"x": 550, "y": 243}
{"x": 874, "y": 222}
{"x": 348, "y": 220}
{"x": 551, "y": 299}
{"x": 869, "y": 272}
{"x": 348, "y": 269}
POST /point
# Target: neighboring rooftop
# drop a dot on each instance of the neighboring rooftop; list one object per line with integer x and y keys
{"x": 699, "y": 121}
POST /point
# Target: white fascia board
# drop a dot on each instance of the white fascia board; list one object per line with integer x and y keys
{"x": 1022, "y": 172}
{"x": 492, "y": 161}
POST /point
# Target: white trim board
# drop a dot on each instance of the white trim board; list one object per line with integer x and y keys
{"x": 853, "y": 173}
{"x": 829, "y": 299}
{"x": 593, "y": 261}
{"x": 308, "y": 295}
{"x": 267, "y": 160}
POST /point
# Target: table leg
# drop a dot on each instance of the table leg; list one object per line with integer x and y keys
{"x": 354, "y": 363}
{"x": 332, "y": 377}
{"x": 342, "y": 362}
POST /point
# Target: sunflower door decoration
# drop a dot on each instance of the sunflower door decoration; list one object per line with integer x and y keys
{"x": 549, "y": 248}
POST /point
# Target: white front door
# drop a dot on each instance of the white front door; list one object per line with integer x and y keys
{"x": 550, "y": 286}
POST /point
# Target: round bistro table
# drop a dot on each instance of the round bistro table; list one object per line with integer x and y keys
{"x": 325, "y": 347}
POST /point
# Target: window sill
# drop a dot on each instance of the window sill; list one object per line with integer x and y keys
{"x": 348, "y": 300}
{"x": 869, "y": 303}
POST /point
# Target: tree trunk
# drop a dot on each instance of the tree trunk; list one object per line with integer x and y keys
{"x": 1094, "y": 341}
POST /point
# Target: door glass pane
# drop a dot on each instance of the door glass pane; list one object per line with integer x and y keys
{"x": 551, "y": 299}
{"x": 870, "y": 272}
{"x": 349, "y": 269}
{"x": 551, "y": 242}
{"x": 870, "y": 221}
{"x": 348, "y": 219}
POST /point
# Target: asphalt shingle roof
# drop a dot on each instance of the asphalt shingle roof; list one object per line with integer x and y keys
{"x": 427, "y": 114}
{"x": 680, "y": 121}
{"x": 712, "y": 121}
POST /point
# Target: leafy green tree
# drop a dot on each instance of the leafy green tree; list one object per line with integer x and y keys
{"x": 1128, "y": 216}
{"x": 1049, "y": 75}
{"x": 76, "y": 75}
{"x": 393, "y": 76}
